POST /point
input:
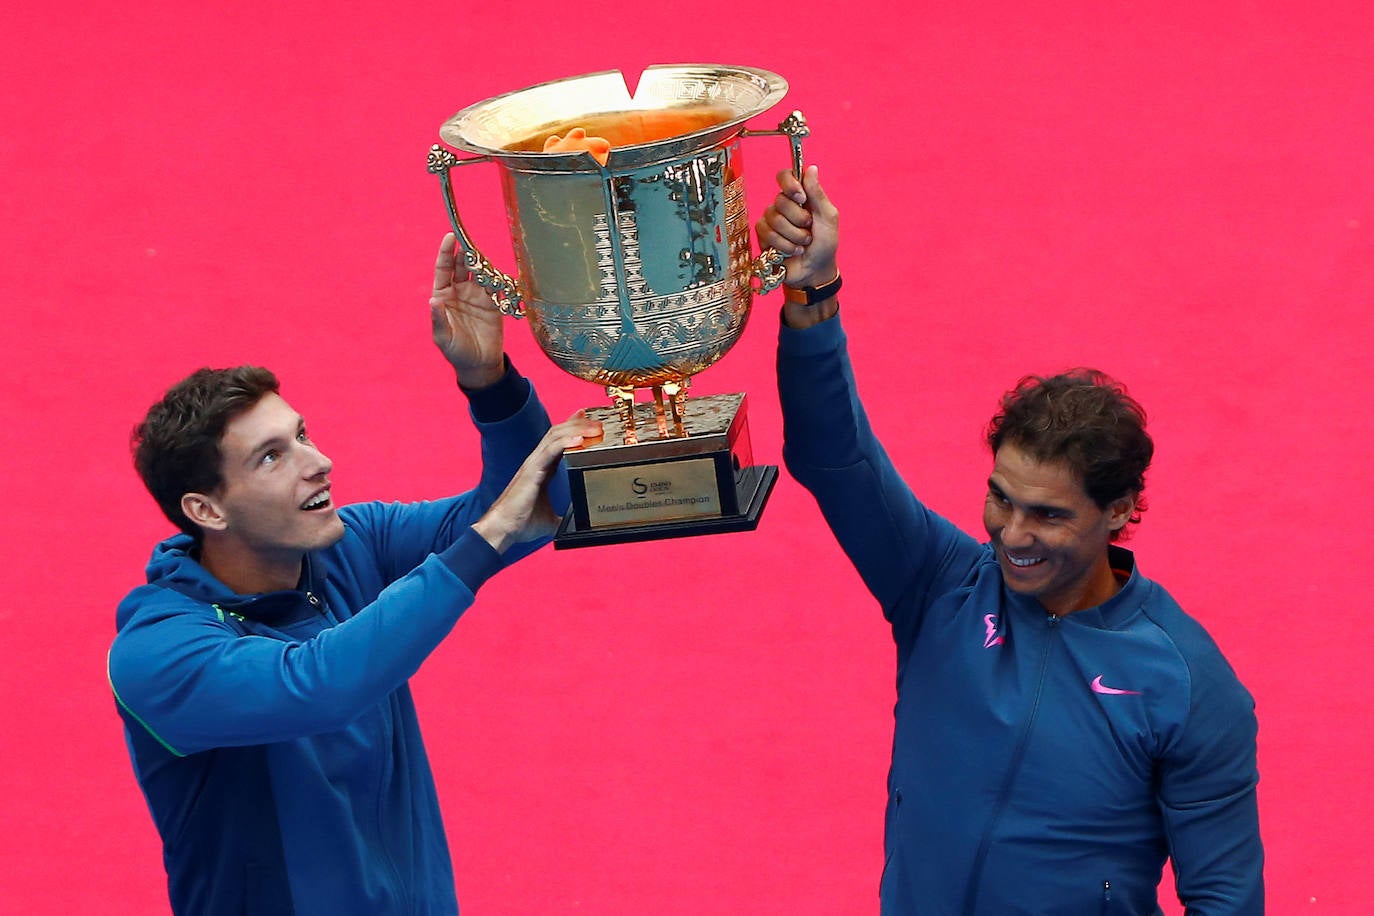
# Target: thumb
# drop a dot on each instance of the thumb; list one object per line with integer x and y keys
{"x": 816, "y": 197}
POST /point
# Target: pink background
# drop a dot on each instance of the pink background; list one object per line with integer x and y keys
{"x": 1182, "y": 198}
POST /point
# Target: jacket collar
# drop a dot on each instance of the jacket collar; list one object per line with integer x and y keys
{"x": 175, "y": 564}
{"x": 1113, "y": 612}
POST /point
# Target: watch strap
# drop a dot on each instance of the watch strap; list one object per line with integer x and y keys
{"x": 810, "y": 295}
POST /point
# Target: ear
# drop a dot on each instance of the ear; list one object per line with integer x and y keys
{"x": 1119, "y": 512}
{"x": 204, "y": 510}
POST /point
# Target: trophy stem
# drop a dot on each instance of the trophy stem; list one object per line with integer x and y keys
{"x": 623, "y": 399}
{"x": 670, "y": 407}
{"x": 703, "y": 482}
{"x": 677, "y": 402}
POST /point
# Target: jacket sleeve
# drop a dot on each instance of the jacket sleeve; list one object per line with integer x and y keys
{"x": 401, "y": 535}
{"x": 506, "y": 443}
{"x": 183, "y": 671}
{"x": 894, "y": 542}
{"x": 1208, "y": 800}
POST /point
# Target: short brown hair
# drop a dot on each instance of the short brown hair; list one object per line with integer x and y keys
{"x": 176, "y": 447}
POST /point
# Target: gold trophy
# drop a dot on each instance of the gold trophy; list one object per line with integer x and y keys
{"x": 631, "y": 237}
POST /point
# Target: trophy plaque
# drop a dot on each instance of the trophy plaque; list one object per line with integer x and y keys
{"x": 701, "y": 483}
{"x": 632, "y": 240}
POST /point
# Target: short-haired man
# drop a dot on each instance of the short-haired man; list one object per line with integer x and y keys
{"x": 261, "y": 672}
{"x": 1062, "y": 726}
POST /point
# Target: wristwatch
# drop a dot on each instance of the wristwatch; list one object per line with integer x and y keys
{"x": 810, "y": 295}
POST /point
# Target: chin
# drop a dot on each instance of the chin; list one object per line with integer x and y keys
{"x": 332, "y": 534}
{"x": 335, "y": 535}
{"x": 1014, "y": 583}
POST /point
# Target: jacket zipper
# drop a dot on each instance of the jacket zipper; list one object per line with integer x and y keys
{"x": 320, "y": 607}
{"x": 980, "y": 859}
{"x": 387, "y": 734}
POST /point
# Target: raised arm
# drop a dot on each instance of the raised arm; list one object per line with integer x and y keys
{"x": 185, "y": 672}
{"x": 467, "y": 329}
{"x": 829, "y": 446}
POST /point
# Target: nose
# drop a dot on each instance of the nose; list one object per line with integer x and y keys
{"x": 317, "y": 463}
{"x": 1015, "y": 532}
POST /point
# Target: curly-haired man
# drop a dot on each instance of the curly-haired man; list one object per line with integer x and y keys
{"x": 1062, "y": 726}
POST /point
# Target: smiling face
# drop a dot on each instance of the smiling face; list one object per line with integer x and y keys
{"x": 274, "y": 505}
{"x": 1051, "y": 538}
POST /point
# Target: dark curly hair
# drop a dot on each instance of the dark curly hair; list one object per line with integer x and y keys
{"x": 1085, "y": 419}
{"x": 176, "y": 447}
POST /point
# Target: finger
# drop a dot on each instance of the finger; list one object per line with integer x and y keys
{"x": 790, "y": 210}
{"x": 783, "y": 234}
{"x": 770, "y": 239}
{"x": 546, "y": 455}
{"x": 469, "y": 292}
{"x": 578, "y": 424}
{"x": 791, "y": 187}
{"x": 446, "y": 262}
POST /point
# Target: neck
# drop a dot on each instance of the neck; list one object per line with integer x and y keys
{"x": 248, "y": 573}
{"x": 1097, "y": 589}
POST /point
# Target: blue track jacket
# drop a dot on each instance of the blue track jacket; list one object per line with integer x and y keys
{"x": 1039, "y": 764}
{"x": 274, "y": 736}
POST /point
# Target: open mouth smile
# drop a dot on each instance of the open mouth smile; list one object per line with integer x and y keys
{"x": 319, "y": 501}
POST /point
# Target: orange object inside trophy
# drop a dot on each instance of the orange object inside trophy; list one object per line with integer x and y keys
{"x": 598, "y": 134}
{"x": 576, "y": 141}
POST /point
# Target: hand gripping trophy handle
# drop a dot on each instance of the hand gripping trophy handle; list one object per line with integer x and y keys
{"x": 503, "y": 288}
{"x": 768, "y": 265}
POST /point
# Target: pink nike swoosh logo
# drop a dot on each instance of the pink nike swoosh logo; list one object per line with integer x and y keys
{"x": 1099, "y": 687}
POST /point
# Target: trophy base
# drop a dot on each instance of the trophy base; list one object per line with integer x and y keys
{"x": 754, "y": 484}
{"x": 666, "y": 487}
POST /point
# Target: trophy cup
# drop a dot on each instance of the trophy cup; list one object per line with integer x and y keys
{"x": 635, "y": 274}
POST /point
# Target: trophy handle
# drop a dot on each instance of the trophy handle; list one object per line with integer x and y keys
{"x": 503, "y": 288}
{"x": 767, "y": 267}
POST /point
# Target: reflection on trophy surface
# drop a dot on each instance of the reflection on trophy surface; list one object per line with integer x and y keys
{"x": 631, "y": 235}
